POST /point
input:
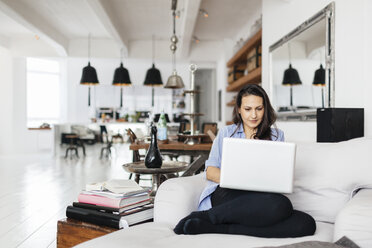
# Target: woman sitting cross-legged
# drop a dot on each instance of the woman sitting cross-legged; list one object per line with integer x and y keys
{"x": 230, "y": 211}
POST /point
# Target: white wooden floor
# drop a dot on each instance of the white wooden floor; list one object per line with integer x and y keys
{"x": 36, "y": 189}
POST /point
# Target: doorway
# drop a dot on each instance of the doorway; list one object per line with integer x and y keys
{"x": 205, "y": 101}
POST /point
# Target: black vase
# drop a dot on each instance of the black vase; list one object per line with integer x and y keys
{"x": 153, "y": 157}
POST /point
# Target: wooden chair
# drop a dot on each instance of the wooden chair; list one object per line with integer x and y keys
{"x": 73, "y": 140}
{"x": 136, "y": 155}
{"x": 72, "y": 146}
{"x": 117, "y": 136}
{"x": 133, "y": 139}
{"x": 212, "y": 128}
{"x": 184, "y": 126}
{"x": 211, "y": 135}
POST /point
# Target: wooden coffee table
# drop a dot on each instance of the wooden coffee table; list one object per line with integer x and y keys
{"x": 168, "y": 167}
{"x": 71, "y": 232}
{"x": 199, "y": 151}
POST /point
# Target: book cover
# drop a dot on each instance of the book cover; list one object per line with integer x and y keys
{"x": 118, "y": 221}
{"x": 112, "y": 202}
{"x": 122, "y": 187}
{"x": 138, "y": 215}
{"x": 96, "y": 217}
{"x": 115, "y": 195}
{"x": 109, "y": 209}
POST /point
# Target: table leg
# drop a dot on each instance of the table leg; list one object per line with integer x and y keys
{"x": 155, "y": 184}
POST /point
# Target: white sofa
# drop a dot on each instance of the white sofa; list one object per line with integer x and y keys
{"x": 327, "y": 177}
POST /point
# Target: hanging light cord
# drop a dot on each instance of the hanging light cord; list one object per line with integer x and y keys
{"x": 174, "y": 22}
{"x": 289, "y": 54}
{"x": 174, "y": 33}
{"x": 153, "y": 48}
{"x": 174, "y": 61}
{"x": 89, "y": 47}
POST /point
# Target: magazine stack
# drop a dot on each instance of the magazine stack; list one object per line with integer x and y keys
{"x": 115, "y": 203}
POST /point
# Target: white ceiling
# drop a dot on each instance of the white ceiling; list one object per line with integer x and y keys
{"x": 226, "y": 18}
{"x": 60, "y": 24}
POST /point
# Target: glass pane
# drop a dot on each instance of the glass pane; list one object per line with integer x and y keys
{"x": 42, "y": 65}
{"x": 42, "y": 96}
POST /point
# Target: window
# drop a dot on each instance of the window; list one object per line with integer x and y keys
{"x": 43, "y": 91}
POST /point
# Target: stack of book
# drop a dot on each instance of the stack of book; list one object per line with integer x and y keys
{"x": 115, "y": 203}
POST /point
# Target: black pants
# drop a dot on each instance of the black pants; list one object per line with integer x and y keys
{"x": 268, "y": 215}
{"x": 258, "y": 214}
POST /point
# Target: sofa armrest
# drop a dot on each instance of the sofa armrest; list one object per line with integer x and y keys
{"x": 355, "y": 219}
{"x": 177, "y": 197}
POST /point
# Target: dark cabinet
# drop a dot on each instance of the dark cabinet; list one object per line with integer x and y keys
{"x": 339, "y": 124}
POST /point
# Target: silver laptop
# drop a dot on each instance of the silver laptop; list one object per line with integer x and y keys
{"x": 257, "y": 165}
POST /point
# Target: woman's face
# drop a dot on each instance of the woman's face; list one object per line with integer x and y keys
{"x": 252, "y": 111}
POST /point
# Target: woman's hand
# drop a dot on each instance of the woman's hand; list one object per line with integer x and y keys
{"x": 213, "y": 174}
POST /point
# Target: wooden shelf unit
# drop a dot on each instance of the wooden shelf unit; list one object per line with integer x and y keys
{"x": 231, "y": 103}
{"x": 241, "y": 56}
{"x": 254, "y": 77}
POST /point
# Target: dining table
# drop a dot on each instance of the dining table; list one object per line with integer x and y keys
{"x": 199, "y": 152}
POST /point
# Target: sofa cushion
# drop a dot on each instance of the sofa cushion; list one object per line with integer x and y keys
{"x": 177, "y": 198}
{"x": 161, "y": 235}
{"x": 355, "y": 219}
{"x": 326, "y": 174}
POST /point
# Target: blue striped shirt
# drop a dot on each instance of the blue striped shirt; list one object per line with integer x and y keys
{"x": 215, "y": 158}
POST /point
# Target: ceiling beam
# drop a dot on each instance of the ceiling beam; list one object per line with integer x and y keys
{"x": 187, "y": 29}
{"x": 37, "y": 25}
{"x": 106, "y": 16}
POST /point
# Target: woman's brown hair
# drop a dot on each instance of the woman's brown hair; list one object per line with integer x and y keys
{"x": 269, "y": 117}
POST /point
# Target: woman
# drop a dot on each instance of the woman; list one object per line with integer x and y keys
{"x": 230, "y": 211}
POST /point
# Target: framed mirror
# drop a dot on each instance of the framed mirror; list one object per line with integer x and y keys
{"x": 302, "y": 68}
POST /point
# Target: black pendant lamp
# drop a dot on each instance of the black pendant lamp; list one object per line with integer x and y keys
{"x": 121, "y": 78}
{"x": 153, "y": 77}
{"x": 319, "y": 80}
{"x": 291, "y": 77}
{"x": 319, "y": 76}
{"x": 89, "y": 76}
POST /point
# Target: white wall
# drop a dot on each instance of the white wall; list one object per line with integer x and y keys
{"x": 281, "y": 17}
{"x": 222, "y": 82}
{"x": 6, "y": 101}
{"x": 206, "y": 100}
{"x": 22, "y": 137}
{"x": 221, "y": 79}
{"x": 367, "y": 65}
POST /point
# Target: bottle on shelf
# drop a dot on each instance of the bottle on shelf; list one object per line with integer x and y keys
{"x": 162, "y": 127}
{"x": 153, "y": 157}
